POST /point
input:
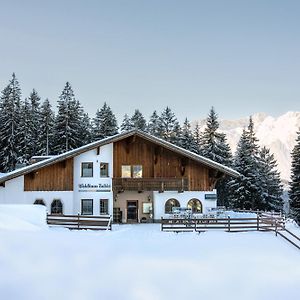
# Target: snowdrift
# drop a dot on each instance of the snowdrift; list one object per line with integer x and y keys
{"x": 26, "y": 217}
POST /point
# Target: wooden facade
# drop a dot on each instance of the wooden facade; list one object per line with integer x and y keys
{"x": 56, "y": 177}
{"x": 161, "y": 163}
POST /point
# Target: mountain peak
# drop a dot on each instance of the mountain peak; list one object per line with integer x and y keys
{"x": 278, "y": 134}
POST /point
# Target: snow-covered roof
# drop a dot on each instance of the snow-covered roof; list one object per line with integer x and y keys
{"x": 112, "y": 139}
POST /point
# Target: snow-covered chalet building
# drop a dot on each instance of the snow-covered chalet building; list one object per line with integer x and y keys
{"x": 133, "y": 176}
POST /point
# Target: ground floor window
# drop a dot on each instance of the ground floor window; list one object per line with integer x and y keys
{"x": 56, "y": 207}
{"x": 195, "y": 205}
{"x": 40, "y": 202}
{"x": 170, "y": 204}
{"x": 86, "y": 206}
{"x": 103, "y": 206}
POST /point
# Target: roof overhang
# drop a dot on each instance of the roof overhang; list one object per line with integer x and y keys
{"x": 113, "y": 139}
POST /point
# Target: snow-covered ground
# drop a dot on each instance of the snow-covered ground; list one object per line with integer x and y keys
{"x": 141, "y": 262}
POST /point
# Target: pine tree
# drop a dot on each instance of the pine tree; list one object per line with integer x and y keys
{"x": 294, "y": 192}
{"x": 176, "y": 136}
{"x": 245, "y": 191}
{"x": 85, "y": 129}
{"x": 213, "y": 145}
{"x": 10, "y": 131}
{"x": 25, "y": 125}
{"x": 104, "y": 123}
{"x": 197, "y": 137}
{"x": 34, "y": 124}
{"x": 47, "y": 129}
{"x": 187, "y": 138}
{"x": 68, "y": 122}
{"x": 270, "y": 182}
{"x": 138, "y": 121}
{"x": 170, "y": 128}
{"x": 126, "y": 124}
{"x": 153, "y": 127}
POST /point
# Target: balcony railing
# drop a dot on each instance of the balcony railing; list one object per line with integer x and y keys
{"x": 150, "y": 184}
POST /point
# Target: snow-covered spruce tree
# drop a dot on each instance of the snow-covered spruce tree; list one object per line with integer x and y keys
{"x": 197, "y": 137}
{"x": 245, "y": 191}
{"x": 35, "y": 125}
{"x": 68, "y": 122}
{"x": 25, "y": 125}
{"x": 294, "y": 192}
{"x": 153, "y": 125}
{"x": 213, "y": 145}
{"x": 86, "y": 129}
{"x": 47, "y": 129}
{"x": 138, "y": 121}
{"x": 270, "y": 182}
{"x": 126, "y": 124}
{"x": 187, "y": 139}
{"x": 10, "y": 131}
{"x": 104, "y": 124}
{"x": 170, "y": 128}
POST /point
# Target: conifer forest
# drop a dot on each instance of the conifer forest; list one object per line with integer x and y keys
{"x": 30, "y": 126}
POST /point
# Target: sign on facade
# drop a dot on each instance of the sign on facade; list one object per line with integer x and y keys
{"x": 210, "y": 196}
{"x": 88, "y": 187}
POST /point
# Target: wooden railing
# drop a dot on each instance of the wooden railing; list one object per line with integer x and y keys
{"x": 150, "y": 184}
{"x": 80, "y": 221}
{"x": 227, "y": 224}
{"x": 289, "y": 236}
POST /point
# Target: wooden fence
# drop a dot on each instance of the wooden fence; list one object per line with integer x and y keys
{"x": 289, "y": 236}
{"x": 80, "y": 222}
{"x": 229, "y": 224}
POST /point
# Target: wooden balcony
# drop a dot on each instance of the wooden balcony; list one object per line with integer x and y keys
{"x": 150, "y": 184}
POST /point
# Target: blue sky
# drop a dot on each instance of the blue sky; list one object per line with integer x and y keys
{"x": 240, "y": 56}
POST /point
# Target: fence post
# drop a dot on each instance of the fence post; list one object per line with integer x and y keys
{"x": 161, "y": 226}
{"x": 276, "y": 227}
{"x": 78, "y": 220}
{"x": 228, "y": 223}
{"x": 257, "y": 222}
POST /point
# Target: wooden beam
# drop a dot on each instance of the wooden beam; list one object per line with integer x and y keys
{"x": 98, "y": 150}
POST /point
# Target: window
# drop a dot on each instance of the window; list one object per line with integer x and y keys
{"x": 195, "y": 205}
{"x": 103, "y": 206}
{"x": 40, "y": 202}
{"x": 126, "y": 171}
{"x": 86, "y": 206}
{"x": 56, "y": 207}
{"x": 137, "y": 171}
{"x": 87, "y": 169}
{"x": 170, "y": 204}
{"x": 103, "y": 169}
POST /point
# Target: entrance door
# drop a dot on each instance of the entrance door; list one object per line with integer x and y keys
{"x": 132, "y": 211}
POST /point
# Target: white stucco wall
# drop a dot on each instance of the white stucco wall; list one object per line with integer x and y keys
{"x": 65, "y": 197}
{"x": 159, "y": 200}
{"x": 13, "y": 193}
{"x": 98, "y": 191}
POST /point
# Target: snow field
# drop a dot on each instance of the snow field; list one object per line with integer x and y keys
{"x": 141, "y": 262}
